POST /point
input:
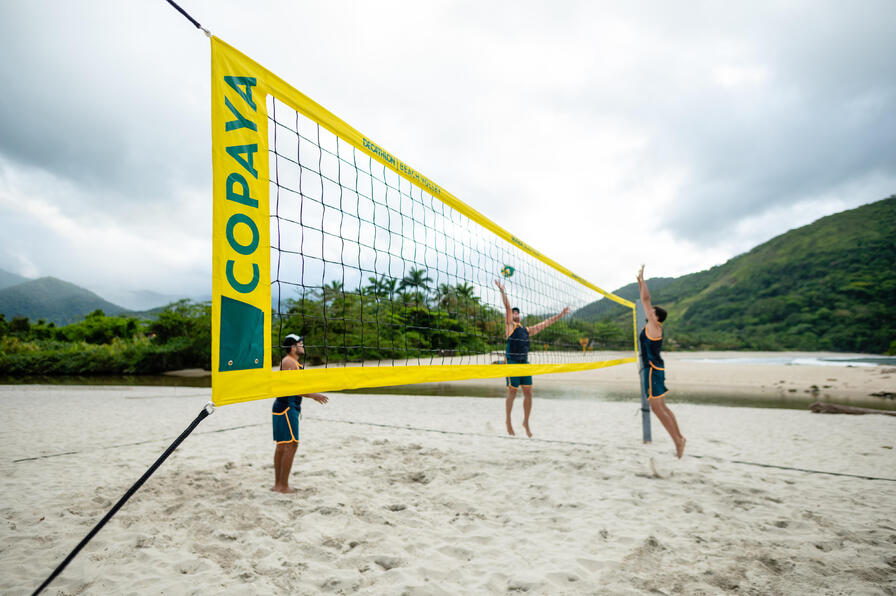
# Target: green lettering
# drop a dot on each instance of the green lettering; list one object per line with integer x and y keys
{"x": 240, "y": 122}
{"x": 241, "y": 218}
{"x": 243, "y": 197}
{"x": 237, "y": 151}
{"x": 242, "y": 288}
{"x": 243, "y": 86}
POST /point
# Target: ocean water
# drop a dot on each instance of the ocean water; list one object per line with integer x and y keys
{"x": 803, "y": 360}
{"x": 498, "y": 390}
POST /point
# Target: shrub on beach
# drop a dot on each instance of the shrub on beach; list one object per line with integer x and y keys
{"x": 104, "y": 345}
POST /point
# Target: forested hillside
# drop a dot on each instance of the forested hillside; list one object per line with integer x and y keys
{"x": 830, "y": 285}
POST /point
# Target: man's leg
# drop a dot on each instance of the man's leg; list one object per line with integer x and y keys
{"x": 511, "y": 394}
{"x": 527, "y": 407}
{"x": 278, "y": 465}
{"x": 662, "y": 411}
{"x": 289, "y": 452}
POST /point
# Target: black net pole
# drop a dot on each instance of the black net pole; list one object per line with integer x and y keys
{"x": 202, "y": 415}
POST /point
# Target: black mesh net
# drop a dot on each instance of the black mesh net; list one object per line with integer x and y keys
{"x": 371, "y": 268}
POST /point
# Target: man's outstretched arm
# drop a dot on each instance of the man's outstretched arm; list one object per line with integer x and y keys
{"x": 642, "y": 287}
{"x": 652, "y": 322}
{"x": 318, "y": 397}
{"x": 548, "y": 322}
{"x": 508, "y": 315}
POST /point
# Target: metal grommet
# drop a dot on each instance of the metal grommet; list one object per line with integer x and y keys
{"x": 256, "y": 361}
{"x": 230, "y": 363}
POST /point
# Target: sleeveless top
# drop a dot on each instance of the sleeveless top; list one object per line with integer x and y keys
{"x": 288, "y": 401}
{"x": 518, "y": 345}
{"x": 650, "y": 350}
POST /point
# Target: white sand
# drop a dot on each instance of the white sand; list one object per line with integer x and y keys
{"x": 424, "y": 495}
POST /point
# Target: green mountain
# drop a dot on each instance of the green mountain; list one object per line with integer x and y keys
{"x": 830, "y": 285}
{"x": 53, "y": 300}
{"x": 8, "y": 279}
{"x": 603, "y": 308}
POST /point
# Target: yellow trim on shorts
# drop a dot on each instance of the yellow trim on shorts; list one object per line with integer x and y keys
{"x": 291, "y": 434}
{"x": 650, "y": 394}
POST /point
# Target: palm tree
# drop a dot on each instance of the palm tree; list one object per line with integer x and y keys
{"x": 445, "y": 295}
{"x": 331, "y": 290}
{"x": 374, "y": 288}
{"x": 388, "y": 285}
{"x": 416, "y": 279}
{"x": 384, "y": 287}
{"x": 465, "y": 290}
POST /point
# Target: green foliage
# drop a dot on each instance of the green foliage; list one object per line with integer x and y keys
{"x": 96, "y": 328}
{"x": 388, "y": 320}
{"x": 826, "y": 286}
{"x": 392, "y": 319}
{"x": 179, "y": 338}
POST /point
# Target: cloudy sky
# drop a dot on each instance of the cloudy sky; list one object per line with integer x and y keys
{"x": 605, "y": 134}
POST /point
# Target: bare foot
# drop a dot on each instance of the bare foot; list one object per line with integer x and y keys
{"x": 284, "y": 489}
{"x": 510, "y": 429}
{"x": 679, "y": 447}
{"x": 528, "y": 432}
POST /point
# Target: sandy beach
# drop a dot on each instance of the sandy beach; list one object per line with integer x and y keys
{"x": 760, "y": 374}
{"x": 405, "y": 494}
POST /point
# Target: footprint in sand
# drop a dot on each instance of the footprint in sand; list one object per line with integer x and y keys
{"x": 562, "y": 578}
{"x": 420, "y": 477}
{"x": 387, "y": 562}
{"x": 591, "y": 564}
{"x": 457, "y": 552}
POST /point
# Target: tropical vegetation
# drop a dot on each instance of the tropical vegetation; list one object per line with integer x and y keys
{"x": 388, "y": 319}
{"x": 830, "y": 285}
{"x": 827, "y": 286}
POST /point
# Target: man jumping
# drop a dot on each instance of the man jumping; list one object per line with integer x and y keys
{"x": 517, "y": 352}
{"x": 650, "y": 342}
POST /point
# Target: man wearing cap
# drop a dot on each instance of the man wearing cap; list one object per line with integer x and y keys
{"x": 517, "y": 352}
{"x": 286, "y": 413}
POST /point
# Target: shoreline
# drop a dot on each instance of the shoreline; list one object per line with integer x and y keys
{"x": 729, "y": 378}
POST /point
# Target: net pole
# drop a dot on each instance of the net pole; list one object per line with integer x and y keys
{"x": 209, "y": 408}
{"x": 640, "y": 318}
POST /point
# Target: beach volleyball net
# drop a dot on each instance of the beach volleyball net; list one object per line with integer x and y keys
{"x": 321, "y": 232}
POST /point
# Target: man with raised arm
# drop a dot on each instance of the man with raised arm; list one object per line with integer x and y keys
{"x": 286, "y": 412}
{"x": 517, "y": 352}
{"x": 650, "y": 342}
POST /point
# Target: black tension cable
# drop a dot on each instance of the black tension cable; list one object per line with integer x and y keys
{"x": 202, "y": 415}
{"x": 188, "y": 17}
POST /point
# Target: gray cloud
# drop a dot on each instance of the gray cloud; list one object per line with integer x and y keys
{"x": 722, "y": 114}
{"x": 813, "y": 113}
{"x": 76, "y": 103}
